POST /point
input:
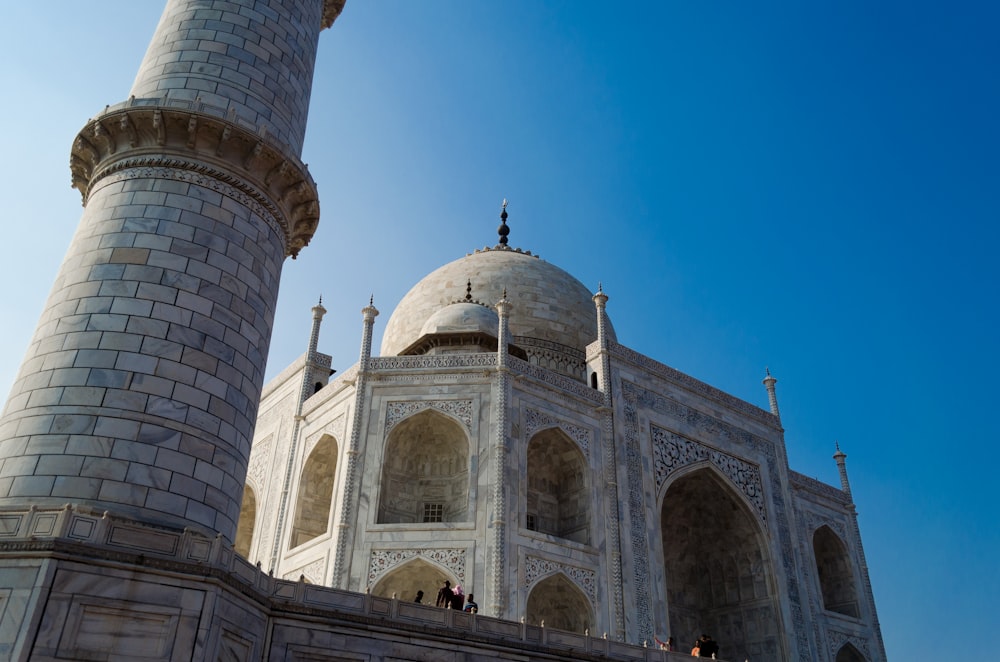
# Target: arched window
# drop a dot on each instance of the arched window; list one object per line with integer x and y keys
{"x": 833, "y": 565}
{"x": 245, "y": 527}
{"x": 425, "y": 471}
{"x": 315, "y": 494}
{"x": 560, "y": 604}
{"x": 718, "y": 575}
{"x": 593, "y": 380}
{"x": 558, "y": 488}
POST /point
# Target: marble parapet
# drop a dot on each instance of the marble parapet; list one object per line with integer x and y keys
{"x": 84, "y": 535}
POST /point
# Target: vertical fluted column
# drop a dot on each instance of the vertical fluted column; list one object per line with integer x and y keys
{"x": 772, "y": 396}
{"x": 305, "y": 390}
{"x": 345, "y": 528}
{"x": 613, "y": 530}
{"x": 501, "y": 417}
{"x": 139, "y": 391}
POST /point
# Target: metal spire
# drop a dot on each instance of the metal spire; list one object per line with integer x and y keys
{"x": 503, "y": 230}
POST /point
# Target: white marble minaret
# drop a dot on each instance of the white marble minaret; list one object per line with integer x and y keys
{"x": 139, "y": 391}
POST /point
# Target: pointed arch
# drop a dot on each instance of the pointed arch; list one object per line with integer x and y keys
{"x": 414, "y": 575}
{"x": 425, "y": 471}
{"x": 247, "y": 522}
{"x": 558, "y": 493}
{"x": 848, "y": 653}
{"x": 836, "y": 576}
{"x": 717, "y": 570}
{"x": 315, "y": 493}
{"x": 560, "y": 603}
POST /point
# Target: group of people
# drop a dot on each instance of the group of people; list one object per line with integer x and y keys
{"x": 451, "y": 598}
{"x": 705, "y": 646}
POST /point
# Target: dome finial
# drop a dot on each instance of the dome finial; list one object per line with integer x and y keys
{"x": 468, "y": 290}
{"x": 503, "y": 230}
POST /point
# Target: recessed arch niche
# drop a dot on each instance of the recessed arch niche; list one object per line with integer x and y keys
{"x": 716, "y": 566}
{"x": 425, "y": 471}
{"x": 248, "y": 519}
{"x": 411, "y": 576}
{"x": 558, "y": 495}
{"x": 315, "y": 495}
{"x": 558, "y": 602}
{"x": 849, "y": 653}
{"x": 836, "y": 579}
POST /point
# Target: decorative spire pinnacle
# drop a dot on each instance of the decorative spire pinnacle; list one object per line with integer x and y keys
{"x": 468, "y": 290}
{"x": 318, "y": 309}
{"x": 503, "y": 230}
{"x": 772, "y": 395}
{"x": 841, "y": 458}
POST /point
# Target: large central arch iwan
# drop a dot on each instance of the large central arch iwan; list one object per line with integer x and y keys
{"x": 717, "y": 568}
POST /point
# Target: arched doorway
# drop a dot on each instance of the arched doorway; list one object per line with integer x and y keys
{"x": 836, "y": 580}
{"x": 425, "y": 471}
{"x": 558, "y": 489}
{"x": 849, "y": 653}
{"x": 560, "y": 604}
{"x": 245, "y": 527}
{"x": 415, "y": 575}
{"x": 315, "y": 494}
{"x": 718, "y": 575}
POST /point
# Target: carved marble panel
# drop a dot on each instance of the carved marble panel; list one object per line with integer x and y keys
{"x": 260, "y": 464}
{"x": 835, "y": 641}
{"x": 672, "y": 451}
{"x": 384, "y": 560}
{"x": 536, "y": 568}
{"x": 397, "y": 411}
{"x": 536, "y": 420}
{"x": 313, "y": 572}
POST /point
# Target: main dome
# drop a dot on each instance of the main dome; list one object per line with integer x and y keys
{"x": 549, "y": 306}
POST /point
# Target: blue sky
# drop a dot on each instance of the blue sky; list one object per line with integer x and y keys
{"x": 811, "y": 187}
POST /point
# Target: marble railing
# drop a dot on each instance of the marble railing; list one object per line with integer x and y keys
{"x": 86, "y": 535}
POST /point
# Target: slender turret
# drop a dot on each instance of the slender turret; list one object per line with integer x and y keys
{"x": 139, "y": 391}
{"x": 344, "y": 530}
{"x": 602, "y": 382}
{"x": 841, "y": 458}
{"x": 772, "y": 396}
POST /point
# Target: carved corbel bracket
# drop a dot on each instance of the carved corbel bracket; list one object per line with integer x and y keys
{"x": 208, "y": 143}
{"x": 331, "y": 10}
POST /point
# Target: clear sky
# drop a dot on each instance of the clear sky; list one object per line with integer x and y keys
{"x": 813, "y": 187}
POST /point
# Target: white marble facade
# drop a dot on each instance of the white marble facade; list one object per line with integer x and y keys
{"x": 559, "y": 476}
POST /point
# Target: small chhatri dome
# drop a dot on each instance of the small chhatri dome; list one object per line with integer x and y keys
{"x": 463, "y": 316}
